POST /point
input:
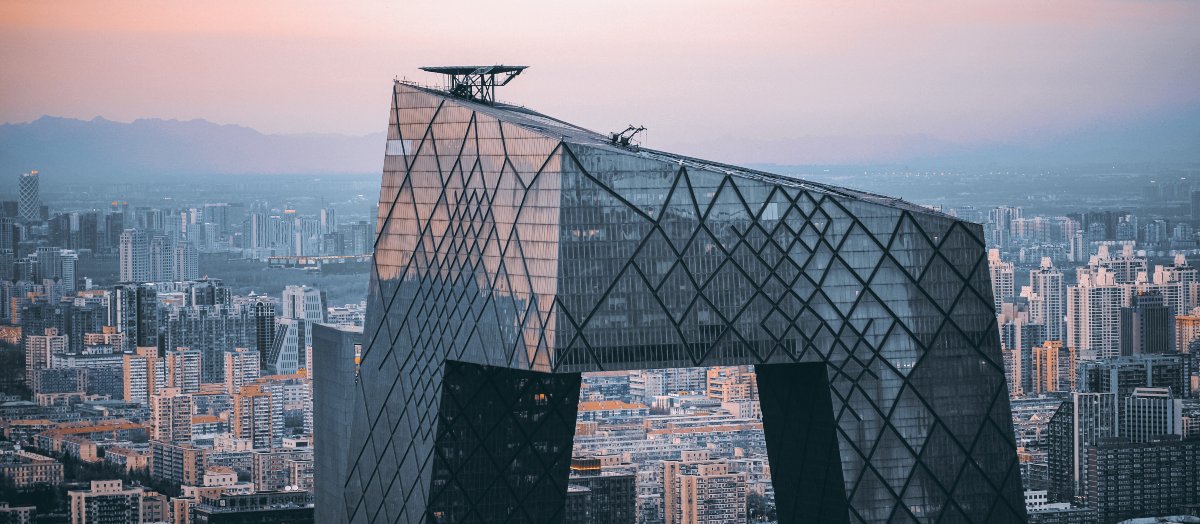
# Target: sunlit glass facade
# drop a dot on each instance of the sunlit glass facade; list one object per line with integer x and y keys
{"x": 516, "y": 251}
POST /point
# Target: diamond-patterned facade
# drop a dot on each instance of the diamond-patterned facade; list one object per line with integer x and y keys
{"x": 515, "y": 251}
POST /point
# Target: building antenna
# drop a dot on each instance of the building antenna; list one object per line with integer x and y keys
{"x": 624, "y": 138}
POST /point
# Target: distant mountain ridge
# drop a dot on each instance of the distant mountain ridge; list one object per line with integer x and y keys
{"x": 86, "y": 149}
{"x": 101, "y": 150}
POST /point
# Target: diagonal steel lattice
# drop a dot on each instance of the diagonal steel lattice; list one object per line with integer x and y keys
{"x": 515, "y": 251}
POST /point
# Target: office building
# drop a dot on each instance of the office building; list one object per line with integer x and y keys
{"x": 608, "y": 495}
{"x": 1086, "y": 419}
{"x": 334, "y": 375}
{"x": 1150, "y": 413}
{"x": 303, "y": 306}
{"x": 29, "y": 203}
{"x": 291, "y": 507}
{"x": 1147, "y": 326}
{"x": 263, "y": 312}
{"x": 1124, "y": 374}
{"x": 517, "y": 274}
{"x": 133, "y": 310}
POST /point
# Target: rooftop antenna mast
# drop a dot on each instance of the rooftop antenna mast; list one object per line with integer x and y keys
{"x": 624, "y": 138}
{"x": 476, "y": 82}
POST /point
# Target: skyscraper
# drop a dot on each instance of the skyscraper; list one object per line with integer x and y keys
{"x": 133, "y": 309}
{"x": 303, "y": 306}
{"x": 517, "y": 251}
{"x": 29, "y": 205}
{"x": 1147, "y": 326}
{"x": 263, "y": 312}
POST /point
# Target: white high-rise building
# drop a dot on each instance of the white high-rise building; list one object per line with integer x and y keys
{"x": 185, "y": 260}
{"x": 135, "y": 256}
{"x": 1152, "y": 412}
{"x": 303, "y": 306}
{"x": 1179, "y": 284}
{"x": 1003, "y": 278}
{"x": 1048, "y": 300}
{"x": 29, "y": 205}
{"x": 162, "y": 259}
{"x": 1126, "y": 267}
{"x": 999, "y": 224}
{"x": 1094, "y": 313}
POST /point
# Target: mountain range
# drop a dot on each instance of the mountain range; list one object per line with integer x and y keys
{"x": 100, "y": 148}
{"x": 105, "y": 150}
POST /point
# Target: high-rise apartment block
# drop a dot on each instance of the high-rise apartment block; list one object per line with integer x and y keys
{"x": 41, "y": 350}
{"x": 702, "y": 491}
{"x": 1150, "y": 413}
{"x": 134, "y": 256}
{"x": 242, "y": 367}
{"x": 1048, "y": 300}
{"x": 1003, "y": 281}
{"x": 253, "y": 416}
{"x": 171, "y": 416}
{"x": 145, "y": 374}
{"x": 184, "y": 370}
{"x": 150, "y": 257}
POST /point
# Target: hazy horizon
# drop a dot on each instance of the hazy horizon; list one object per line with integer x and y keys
{"x": 858, "y": 82}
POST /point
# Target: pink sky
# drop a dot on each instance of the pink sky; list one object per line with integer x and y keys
{"x": 692, "y": 71}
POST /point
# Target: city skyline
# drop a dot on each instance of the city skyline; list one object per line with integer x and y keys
{"x": 699, "y": 262}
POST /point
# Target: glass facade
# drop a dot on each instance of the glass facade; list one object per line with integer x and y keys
{"x": 521, "y": 248}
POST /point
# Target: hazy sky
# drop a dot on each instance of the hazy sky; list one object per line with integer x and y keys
{"x": 692, "y": 71}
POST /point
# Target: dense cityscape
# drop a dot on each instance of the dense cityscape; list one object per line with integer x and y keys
{"x": 625, "y": 262}
{"x": 154, "y": 391}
